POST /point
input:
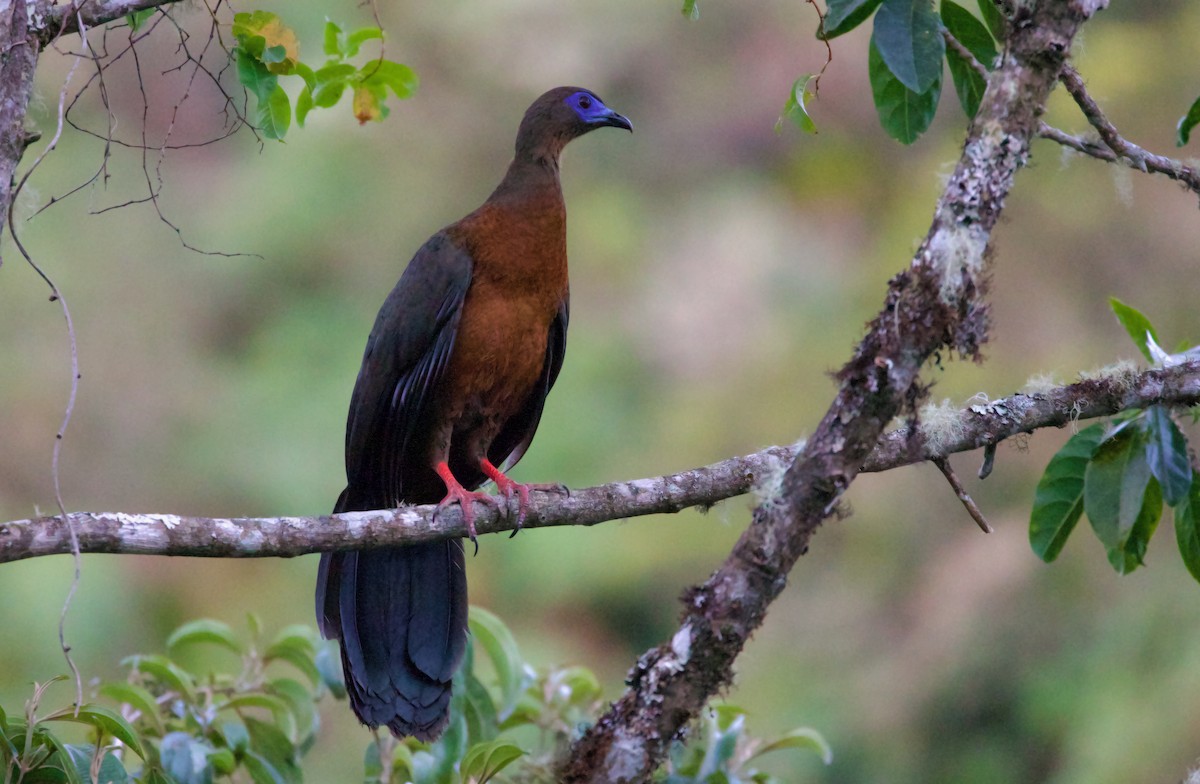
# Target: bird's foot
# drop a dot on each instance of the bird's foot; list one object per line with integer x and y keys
{"x": 508, "y": 488}
{"x": 457, "y": 494}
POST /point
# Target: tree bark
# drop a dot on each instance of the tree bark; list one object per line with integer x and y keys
{"x": 19, "y": 49}
{"x": 976, "y": 426}
{"x": 936, "y": 304}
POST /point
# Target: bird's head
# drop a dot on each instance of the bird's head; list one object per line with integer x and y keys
{"x": 563, "y": 114}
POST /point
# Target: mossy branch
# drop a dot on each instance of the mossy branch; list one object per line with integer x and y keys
{"x": 971, "y": 428}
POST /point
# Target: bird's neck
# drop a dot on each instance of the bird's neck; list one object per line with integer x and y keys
{"x": 529, "y": 176}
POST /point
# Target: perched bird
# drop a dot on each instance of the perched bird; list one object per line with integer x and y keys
{"x": 453, "y": 380}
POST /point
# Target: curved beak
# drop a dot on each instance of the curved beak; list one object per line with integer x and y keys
{"x": 615, "y": 120}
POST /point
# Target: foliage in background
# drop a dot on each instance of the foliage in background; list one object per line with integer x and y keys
{"x": 1120, "y": 474}
{"x": 174, "y": 725}
{"x": 267, "y": 49}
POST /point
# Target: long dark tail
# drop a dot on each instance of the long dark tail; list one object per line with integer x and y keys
{"x": 401, "y": 616}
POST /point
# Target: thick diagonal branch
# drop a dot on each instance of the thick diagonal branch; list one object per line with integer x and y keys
{"x": 936, "y": 304}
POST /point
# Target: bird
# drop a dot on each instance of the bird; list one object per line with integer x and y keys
{"x": 453, "y": 380}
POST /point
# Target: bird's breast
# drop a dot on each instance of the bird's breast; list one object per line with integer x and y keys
{"x": 518, "y": 285}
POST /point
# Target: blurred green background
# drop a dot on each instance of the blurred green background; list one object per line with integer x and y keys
{"x": 719, "y": 273}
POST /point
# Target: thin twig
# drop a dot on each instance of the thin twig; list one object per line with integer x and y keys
{"x": 989, "y": 461}
{"x": 828, "y": 47}
{"x": 965, "y": 54}
{"x": 967, "y": 501}
{"x": 56, "y": 294}
{"x": 1115, "y": 147}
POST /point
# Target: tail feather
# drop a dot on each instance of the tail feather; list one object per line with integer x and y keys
{"x": 401, "y": 616}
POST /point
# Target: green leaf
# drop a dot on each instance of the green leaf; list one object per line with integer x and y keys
{"x": 165, "y": 671}
{"x": 1133, "y": 553}
{"x": 205, "y": 630}
{"x": 727, "y": 714}
{"x": 138, "y": 18}
{"x": 275, "y": 749}
{"x": 1136, "y": 324}
{"x": 401, "y": 79}
{"x": 331, "y": 82}
{"x": 800, "y": 738}
{"x": 1058, "y": 503}
{"x": 1167, "y": 454}
{"x": 908, "y": 35}
{"x": 111, "y": 770}
{"x": 329, "y": 670}
{"x": 795, "y": 108}
{"x": 1187, "y": 529}
{"x": 997, "y": 25}
{"x": 136, "y": 697}
{"x": 491, "y": 633}
{"x": 300, "y": 701}
{"x": 255, "y": 624}
{"x": 255, "y": 77}
{"x": 970, "y": 32}
{"x": 307, "y": 74}
{"x": 333, "y": 36}
{"x": 581, "y": 683}
{"x": 843, "y": 16}
{"x": 185, "y": 759}
{"x": 372, "y": 763}
{"x": 281, "y": 710}
{"x": 105, "y": 720}
{"x": 275, "y": 116}
{"x": 295, "y": 645}
{"x": 236, "y": 738}
{"x": 1115, "y": 486}
{"x": 261, "y": 770}
{"x": 479, "y": 711}
{"x": 1183, "y": 129}
{"x": 969, "y": 84}
{"x": 304, "y": 104}
{"x": 722, "y": 742}
{"x": 905, "y": 115}
{"x": 691, "y": 10}
{"x": 223, "y": 761}
{"x": 485, "y": 760}
{"x": 359, "y": 37}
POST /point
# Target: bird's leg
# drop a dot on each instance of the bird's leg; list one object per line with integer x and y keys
{"x": 456, "y": 493}
{"x": 507, "y": 487}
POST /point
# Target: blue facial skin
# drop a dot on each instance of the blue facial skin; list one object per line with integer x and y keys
{"x": 593, "y": 111}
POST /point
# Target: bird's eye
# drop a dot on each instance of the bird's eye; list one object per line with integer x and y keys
{"x": 585, "y": 102}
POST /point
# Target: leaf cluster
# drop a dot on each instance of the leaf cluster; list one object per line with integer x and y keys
{"x": 267, "y": 49}
{"x": 721, "y": 751}
{"x": 170, "y": 724}
{"x": 183, "y": 726}
{"x": 907, "y": 49}
{"x": 1120, "y": 474}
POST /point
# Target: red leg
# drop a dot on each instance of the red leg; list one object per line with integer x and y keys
{"x": 456, "y": 493}
{"x": 507, "y": 487}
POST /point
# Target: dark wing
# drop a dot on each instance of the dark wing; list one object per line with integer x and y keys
{"x": 406, "y": 354}
{"x": 515, "y": 437}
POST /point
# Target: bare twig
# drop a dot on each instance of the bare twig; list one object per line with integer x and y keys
{"x": 1115, "y": 148}
{"x": 56, "y": 295}
{"x": 965, "y": 53}
{"x": 828, "y": 47}
{"x": 974, "y": 427}
{"x": 968, "y": 502}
